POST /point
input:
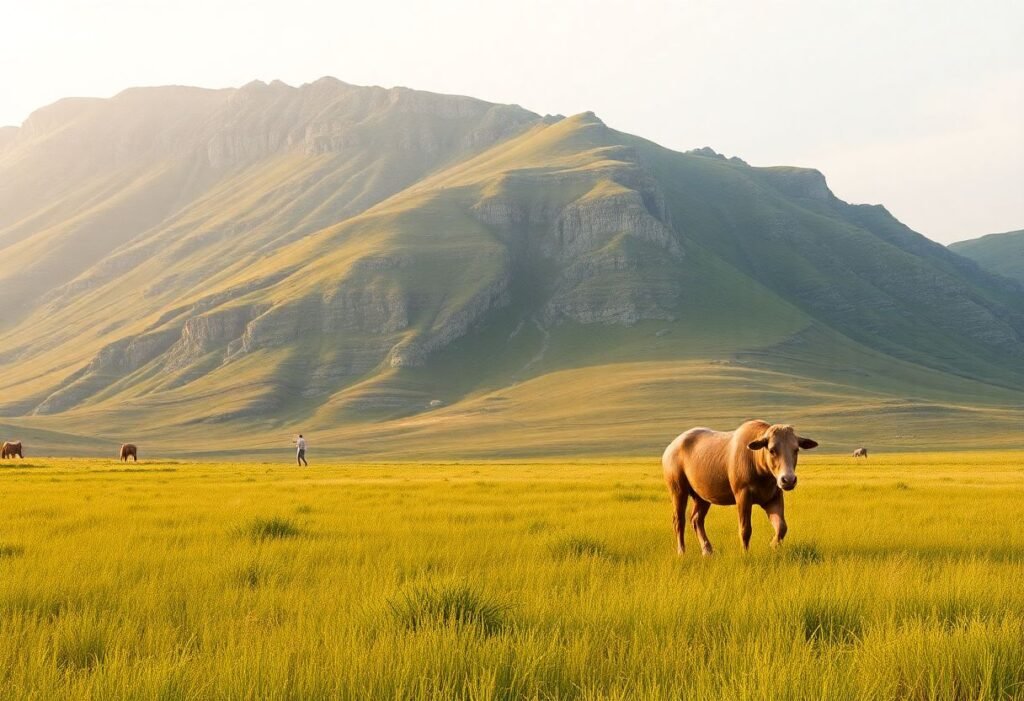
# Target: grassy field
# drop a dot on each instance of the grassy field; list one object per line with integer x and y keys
{"x": 901, "y": 578}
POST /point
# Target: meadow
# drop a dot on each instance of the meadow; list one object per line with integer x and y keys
{"x": 900, "y": 579}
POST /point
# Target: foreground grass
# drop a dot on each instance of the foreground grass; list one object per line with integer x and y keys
{"x": 901, "y": 578}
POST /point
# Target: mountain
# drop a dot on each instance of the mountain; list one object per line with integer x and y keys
{"x": 398, "y": 273}
{"x": 997, "y": 253}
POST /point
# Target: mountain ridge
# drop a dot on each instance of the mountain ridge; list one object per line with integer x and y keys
{"x": 1001, "y": 253}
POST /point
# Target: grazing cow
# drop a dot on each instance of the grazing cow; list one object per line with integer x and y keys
{"x": 754, "y": 464}
{"x": 860, "y": 453}
{"x": 11, "y": 448}
{"x": 129, "y": 449}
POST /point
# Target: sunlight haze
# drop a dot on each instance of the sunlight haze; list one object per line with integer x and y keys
{"x": 918, "y": 106}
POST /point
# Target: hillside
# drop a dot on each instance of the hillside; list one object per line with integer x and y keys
{"x": 392, "y": 271}
{"x": 997, "y": 253}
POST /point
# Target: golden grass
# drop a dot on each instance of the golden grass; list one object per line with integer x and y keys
{"x": 547, "y": 580}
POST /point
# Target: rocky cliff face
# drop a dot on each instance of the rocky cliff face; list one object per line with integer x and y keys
{"x": 491, "y": 293}
{"x": 210, "y": 333}
{"x": 378, "y": 309}
{"x": 610, "y": 225}
{"x": 802, "y": 183}
{"x": 112, "y": 363}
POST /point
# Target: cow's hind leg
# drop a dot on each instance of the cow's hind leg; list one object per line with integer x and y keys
{"x": 679, "y": 496}
{"x": 700, "y": 510}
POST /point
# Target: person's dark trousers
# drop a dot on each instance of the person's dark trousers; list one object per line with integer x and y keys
{"x": 301, "y": 458}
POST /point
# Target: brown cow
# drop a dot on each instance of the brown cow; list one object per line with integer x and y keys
{"x": 860, "y": 453}
{"x": 754, "y": 464}
{"x": 129, "y": 449}
{"x": 11, "y": 448}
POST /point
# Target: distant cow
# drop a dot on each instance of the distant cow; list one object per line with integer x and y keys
{"x": 860, "y": 453}
{"x": 129, "y": 449}
{"x": 11, "y": 448}
{"x": 754, "y": 464}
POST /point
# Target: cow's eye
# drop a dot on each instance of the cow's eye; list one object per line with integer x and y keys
{"x": 773, "y": 451}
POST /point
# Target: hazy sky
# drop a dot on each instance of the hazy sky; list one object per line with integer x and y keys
{"x": 915, "y": 105}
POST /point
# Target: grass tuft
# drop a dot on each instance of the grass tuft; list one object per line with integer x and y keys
{"x": 804, "y": 553}
{"x": 447, "y": 605}
{"x": 82, "y": 646}
{"x": 277, "y": 528}
{"x": 827, "y": 622}
{"x": 580, "y": 546}
{"x": 637, "y": 496}
{"x": 9, "y": 551}
{"x": 251, "y": 576}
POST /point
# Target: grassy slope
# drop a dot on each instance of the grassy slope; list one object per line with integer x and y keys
{"x": 632, "y": 408}
{"x": 999, "y": 253}
{"x": 841, "y": 268}
{"x": 715, "y": 322}
{"x": 490, "y": 581}
{"x": 243, "y": 215}
{"x": 748, "y": 338}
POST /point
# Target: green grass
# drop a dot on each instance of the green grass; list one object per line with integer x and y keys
{"x": 546, "y": 580}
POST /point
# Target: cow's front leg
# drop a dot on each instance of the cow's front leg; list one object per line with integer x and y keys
{"x": 777, "y": 515}
{"x": 743, "y": 507}
{"x": 700, "y": 510}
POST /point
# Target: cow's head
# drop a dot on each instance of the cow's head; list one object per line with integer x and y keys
{"x": 781, "y": 446}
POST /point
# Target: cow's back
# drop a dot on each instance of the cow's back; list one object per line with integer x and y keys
{"x": 684, "y": 443}
{"x": 697, "y": 461}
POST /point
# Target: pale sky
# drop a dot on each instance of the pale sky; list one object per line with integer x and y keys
{"x": 915, "y": 105}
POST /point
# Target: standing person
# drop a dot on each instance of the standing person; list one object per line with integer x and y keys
{"x": 300, "y": 455}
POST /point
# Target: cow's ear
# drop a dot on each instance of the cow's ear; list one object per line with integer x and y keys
{"x": 806, "y": 443}
{"x": 758, "y": 444}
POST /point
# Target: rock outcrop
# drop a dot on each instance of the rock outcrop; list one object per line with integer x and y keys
{"x": 112, "y": 363}
{"x": 614, "y": 229}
